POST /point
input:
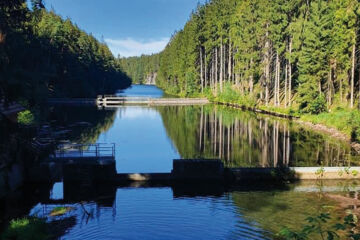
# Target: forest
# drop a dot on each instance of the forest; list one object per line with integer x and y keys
{"x": 281, "y": 53}
{"x": 43, "y": 55}
{"x": 140, "y": 68}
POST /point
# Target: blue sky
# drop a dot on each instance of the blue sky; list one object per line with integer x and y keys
{"x": 129, "y": 27}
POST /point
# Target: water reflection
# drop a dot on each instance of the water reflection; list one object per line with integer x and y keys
{"x": 80, "y": 124}
{"x": 142, "y": 144}
{"x": 185, "y": 212}
{"x": 245, "y": 139}
{"x": 149, "y": 91}
{"x": 149, "y": 138}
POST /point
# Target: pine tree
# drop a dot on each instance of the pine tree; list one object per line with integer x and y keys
{"x": 313, "y": 59}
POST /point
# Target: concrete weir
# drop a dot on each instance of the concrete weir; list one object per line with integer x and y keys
{"x": 115, "y": 101}
{"x": 205, "y": 171}
{"x": 103, "y": 170}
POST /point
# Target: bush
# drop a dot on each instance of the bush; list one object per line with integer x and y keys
{"x": 25, "y": 118}
{"x": 316, "y": 229}
{"x": 317, "y": 106}
{"x": 191, "y": 87}
{"x": 26, "y": 229}
{"x": 229, "y": 95}
{"x": 354, "y": 122}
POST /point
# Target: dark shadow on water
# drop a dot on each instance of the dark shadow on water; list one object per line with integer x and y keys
{"x": 59, "y": 227}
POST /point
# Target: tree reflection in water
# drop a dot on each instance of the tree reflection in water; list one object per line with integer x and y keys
{"x": 246, "y": 139}
{"x": 239, "y": 138}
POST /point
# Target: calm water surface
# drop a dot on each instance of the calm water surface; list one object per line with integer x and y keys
{"x": 142, "y": 91}
{"x": 149, "y": 138}
{"x": 183, "y": 213}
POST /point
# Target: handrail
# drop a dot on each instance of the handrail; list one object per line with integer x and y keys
{"x": 85, "y": 150}
{"x": 115, "y": 98}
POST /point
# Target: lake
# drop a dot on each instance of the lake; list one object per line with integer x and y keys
{"x": 148, "y": 139}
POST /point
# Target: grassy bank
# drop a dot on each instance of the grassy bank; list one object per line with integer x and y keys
{"x": 27, "y": 229}
{"x": 345, "y": 120}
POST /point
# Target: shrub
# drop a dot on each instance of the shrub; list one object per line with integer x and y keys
{"x": 230, "y": 95}
{"x": 30, "y": 228}
{"x": 25, "y": 118}
{"x": 317, "y": 106}
{"x": 316, "y": 229}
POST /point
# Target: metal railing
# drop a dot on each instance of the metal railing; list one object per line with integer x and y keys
{"x": 85, "y": 150}
{"x": 110, "y": 98}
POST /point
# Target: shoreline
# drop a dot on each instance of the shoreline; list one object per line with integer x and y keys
{"x": 331, "y": 131}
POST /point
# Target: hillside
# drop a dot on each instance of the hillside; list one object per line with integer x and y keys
{"x": 43, "y": 55}
{"x": 298, "y": 57}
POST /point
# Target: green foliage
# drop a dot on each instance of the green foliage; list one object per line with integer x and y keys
{"x": 318, "y": 105}
{"x": 315, "y": 229}
{"x": 354, "y": 123}
{"x": 246, "y": 44}
{"x": 140, "y": 68}
{"x": 345, "y": 120}
{"x": 29, "y": 228}
{"x": 25, "y": 118}
{"x": 320, "y": 172}
{"x": 230, "y": 95}
{"x": 61, "y": 59}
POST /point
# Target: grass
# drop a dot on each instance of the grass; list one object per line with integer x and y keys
{"x": 287, "y": 111}
{"x": 29, "y": 228}
{"x": 230, "y": 95}
{"x": 344, "y": 120}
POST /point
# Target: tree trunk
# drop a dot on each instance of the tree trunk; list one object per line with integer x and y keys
{"x": 275, "y": 84}
{"x": 276, "y": 90}
{"x": 286, "y": 84}
{"x": 221, "y": 65}
{"x": 205, "y": 69}
{"x": 290, "y": 73}
{"x": 278, "y": 80}
{"x": 213, "y": 72}
{"x": 251, "y": 81}
{"x": 229, "y": 63}
{"x": 233, "y": 70}
{"x": 267, "y": 68}
{"x": 329, "y": 94}
{"x": 352, "y": 77}
{"x": 216, "y": 71}
{"x": 201, "y": 71}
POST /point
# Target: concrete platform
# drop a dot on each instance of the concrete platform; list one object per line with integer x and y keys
{"x": 189, "y": 171}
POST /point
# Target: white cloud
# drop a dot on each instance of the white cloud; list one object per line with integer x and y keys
{"x": 130, "y": 47}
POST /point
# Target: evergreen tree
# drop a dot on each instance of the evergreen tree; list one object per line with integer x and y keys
{"x": 314, "y": 57}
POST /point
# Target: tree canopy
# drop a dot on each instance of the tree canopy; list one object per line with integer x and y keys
{"x": 43, "y": 55}
{"x": 280, "y": 53}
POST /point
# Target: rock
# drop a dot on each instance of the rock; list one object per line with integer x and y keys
{"x": 151, "y": 78}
